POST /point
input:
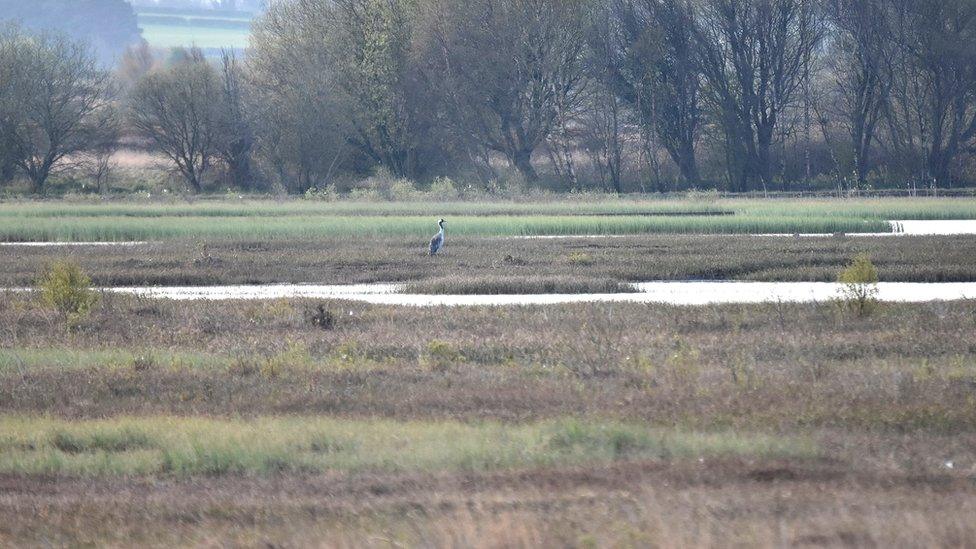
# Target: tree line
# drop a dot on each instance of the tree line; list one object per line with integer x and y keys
{"x": 623, "y": 95}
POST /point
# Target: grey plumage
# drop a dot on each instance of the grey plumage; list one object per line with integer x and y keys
{"x": 437, "y": 242}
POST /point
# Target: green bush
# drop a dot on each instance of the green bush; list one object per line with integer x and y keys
{"x": 65, "y": 288}
{"x": 443, "y": 188}
{"x": 440, "y": 356}
{"x": 860, "y": 290}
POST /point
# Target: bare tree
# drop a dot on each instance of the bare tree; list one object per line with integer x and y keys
{"x": 136, "y": 61}
{"x": 506, "y": 70}
{"x": 752, "y": 54}
{"x": 235, "y": 133}
{"x": 57, "y": 100}
{"x": 931, "y": 117}
{"x": 300, "y": 125}
{"x": 10, "y": 74}
{"x": 177, "y": 110}
{"x": 653, "y": 62}
{"x": 861, "y": 57}
{"x": 98, "y": 158}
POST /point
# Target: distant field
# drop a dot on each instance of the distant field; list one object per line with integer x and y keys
{"x": 206, "y": 29}
{"x": 296, "y": 219}
{"x": 168, "y": 36}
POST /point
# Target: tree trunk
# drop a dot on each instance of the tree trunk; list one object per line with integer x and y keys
{"x": 688, "y": 164}
{"x": 523, "y": 163}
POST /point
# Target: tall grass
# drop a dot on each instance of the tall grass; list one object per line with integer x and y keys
{"x": 111, "y": 228}
{"x": 262, "y": 219}
{"x": 878, "y": 208}
{"x": 197, "y": 446}
{"x": 259, "y": 208}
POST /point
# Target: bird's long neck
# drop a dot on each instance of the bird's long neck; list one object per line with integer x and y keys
{"x": 441, "y": 225}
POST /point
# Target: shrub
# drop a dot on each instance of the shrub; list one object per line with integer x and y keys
{"x": 443, "y": 188}
{"x": 860, "y": 290}
{"x": 580, "y": 258}
{"x": 321, "y": 317}
{"x": 402, "y": 190}
{"x": 326, "y": 194}
{"x": 65, "y": 288}
{"x": 440, "y": 356}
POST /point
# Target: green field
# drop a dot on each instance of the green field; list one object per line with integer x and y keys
{"x": 173, "y": 36}
{"x": 257, "y": 219}
{"x": 197, "y": 446}
{"x": 207, "y": 29}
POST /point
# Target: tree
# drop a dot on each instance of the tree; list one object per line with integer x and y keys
{"x": 301, "y": 129}
{"x": 56, "y": 103}
{"x": 353, "y": 59}
{"x": 654, "y": 68}
{"x": 506, "y": 70}
{"x": 235, "y": 133}
{"x": 861, "y": 53}
{"x": 10, "y": 75}
{"x": 932, "y": 112}
{"x": 752, "y": 54}
{"x": 136, "y": 61}
{"x": 176, "y": 109}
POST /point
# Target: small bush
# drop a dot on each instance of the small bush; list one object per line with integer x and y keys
{"x": 325, "y": 194}
{"x": 144, "y": 363}
{"x": 321, "y": 318}
{"x": 514, "y": 260}
{"x": 403, "y": 190}
{"x": 860, "y": 280}
{"x": 440, "y": 356}
{"x": 443, "y": 188}
{"x": 65, "y": 288}
{"x": 580, "y": 258}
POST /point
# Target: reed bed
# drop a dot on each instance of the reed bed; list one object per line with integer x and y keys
{"x": 596, "y": 215}
{"x": 873, "y": 208}
{"x": 122, "y": 228}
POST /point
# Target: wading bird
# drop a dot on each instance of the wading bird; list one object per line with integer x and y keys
{"x": 438, "y": 241}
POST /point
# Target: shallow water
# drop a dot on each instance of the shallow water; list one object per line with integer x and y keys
{"x": 935, "y": 227}
{"x": 55, "y": 244}
{"x": 675, "y": 293}
{"x": 899, "y": 228}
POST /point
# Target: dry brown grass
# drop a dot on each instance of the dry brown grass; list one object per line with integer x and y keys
{"x": 888, "y": 399}
{"x": 625, "y": 259}
{"x": 712, "y": 504}
{"x": 777, "y": 366}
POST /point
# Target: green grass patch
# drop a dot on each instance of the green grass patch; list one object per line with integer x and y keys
{"x": 264, "y": 219}
{"x": 196, "y": 446}
{"x": 26, "y": 360}
{"x": 113, "y": 228}
{"x": 267, "y": 208}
